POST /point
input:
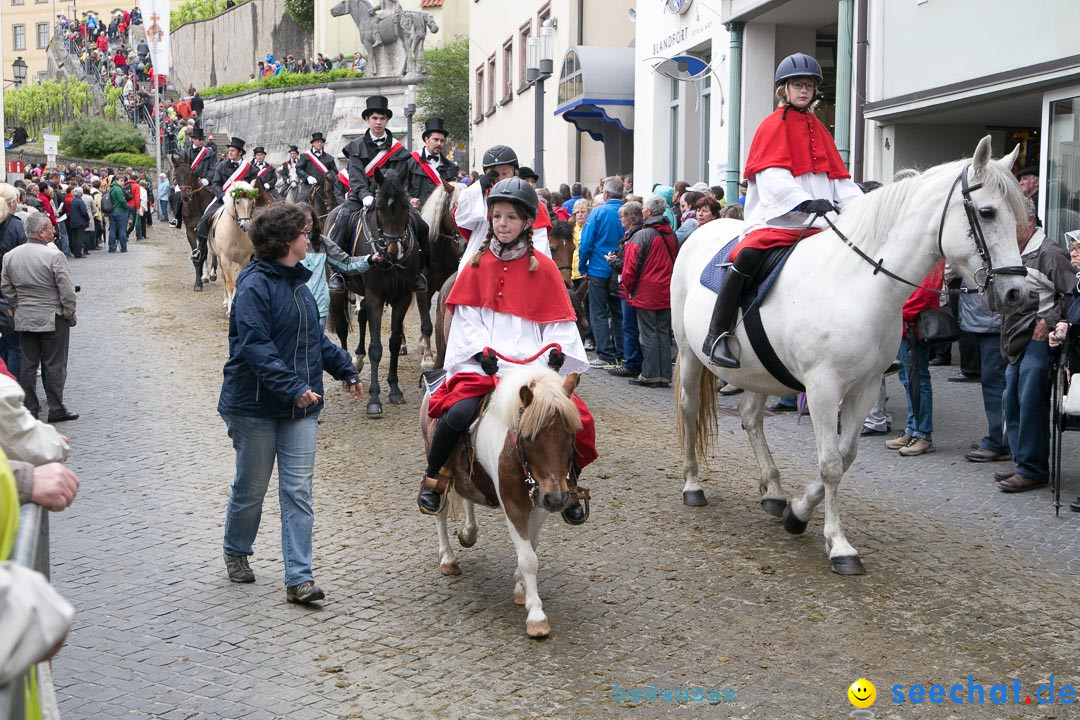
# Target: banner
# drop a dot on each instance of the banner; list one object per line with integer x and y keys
{"x": 156, "y": 22}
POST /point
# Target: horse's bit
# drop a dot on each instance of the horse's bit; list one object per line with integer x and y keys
{"x": 523, "y": 459}
{"x": 988, "y": 270}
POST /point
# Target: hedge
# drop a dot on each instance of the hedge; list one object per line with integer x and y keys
{"x": 284, "y": 80}
{"x": 92, "y": 137}
{"x": 123, "y": 159}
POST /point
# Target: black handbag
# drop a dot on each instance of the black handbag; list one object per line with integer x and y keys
{"x": 938, "y": 325}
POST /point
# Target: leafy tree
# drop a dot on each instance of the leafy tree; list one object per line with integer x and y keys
{"x": 193, "y": 10}
{"x": 47, "y": 104}
{"x": 445, "y": 93}
{"x": 302, "y": 11}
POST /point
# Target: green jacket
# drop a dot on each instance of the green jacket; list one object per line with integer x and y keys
{"x": 116, "y": 196}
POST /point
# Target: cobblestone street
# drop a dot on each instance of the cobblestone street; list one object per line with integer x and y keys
{"x": 962, "y": 580}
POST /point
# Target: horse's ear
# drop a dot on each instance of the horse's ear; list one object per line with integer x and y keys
{"x": 526, "y": 395}
{"x": 1009, "y": 160}
{"x": 379, "y": 176}
{"x": 570, "y": 383}
{"x": 982, "y": 156}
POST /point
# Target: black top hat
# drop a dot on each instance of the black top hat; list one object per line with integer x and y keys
{"x": 196, "y": 133}
{"x": 317, "y": 136}
{"x": 293, "y": 148}
{"x": 236, "y": 143}
{"x": 259, "y": 149}
{"x": 433, "y": 125}
{"x": 377, "y": 103}
{"x": 525, "y": 172}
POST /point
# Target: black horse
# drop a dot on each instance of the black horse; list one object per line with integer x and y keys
{"x": 323, "y": 196}
{"x": 194, "y": 198}
{"x": 385, "y": 228}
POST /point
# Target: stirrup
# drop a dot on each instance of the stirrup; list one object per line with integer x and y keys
{"x": 439, "y": 486}
{"x": 578, "y": 494}
{"x": 733, "y": 354}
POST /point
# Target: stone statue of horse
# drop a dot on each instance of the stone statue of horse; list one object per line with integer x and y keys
{"x": 400, "y": 28}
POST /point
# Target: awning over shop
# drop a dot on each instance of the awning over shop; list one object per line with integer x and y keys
{"x": 596, "y": 89}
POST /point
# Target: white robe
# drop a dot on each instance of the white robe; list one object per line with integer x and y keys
{"x": 772, "y": 194}
{"x": 471, "y": 214}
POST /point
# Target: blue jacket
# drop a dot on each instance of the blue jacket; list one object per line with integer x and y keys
{"x": 600, "y": 236}
{"x": 277, "y": 348}
{"x": 569, "y": 204}
{"x": 330, "y": 254}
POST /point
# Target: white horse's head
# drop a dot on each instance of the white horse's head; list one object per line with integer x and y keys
{"x": 985, "y": 200}
{"x": 240, "y": 202}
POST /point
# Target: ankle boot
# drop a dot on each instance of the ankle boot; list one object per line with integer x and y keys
{"x": 725, "y": 310}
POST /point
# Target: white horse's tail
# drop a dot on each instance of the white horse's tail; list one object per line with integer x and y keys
{"x": 705, "y": 428}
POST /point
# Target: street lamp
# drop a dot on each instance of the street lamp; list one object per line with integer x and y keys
{"x": 538, "y": 68}
{"x": 410, "y": 110}
{"x": 19, "y": 67}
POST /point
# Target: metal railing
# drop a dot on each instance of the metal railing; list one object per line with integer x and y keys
{"x": 32, "y": 551}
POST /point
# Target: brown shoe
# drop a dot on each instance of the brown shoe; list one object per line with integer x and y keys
{"x": 1004, "y": 473}
{"x": 899, "y": 442}
{"x": 982, "y": 455}
{"x": 918, "y": 446}
{"x": 1020, "y": 483}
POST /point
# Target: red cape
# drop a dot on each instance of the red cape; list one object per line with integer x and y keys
{"x": 797, "y": 141}
{"x": 509, "y": 287}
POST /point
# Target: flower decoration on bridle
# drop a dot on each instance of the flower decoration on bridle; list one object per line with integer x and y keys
{"x": 244, "y": 193}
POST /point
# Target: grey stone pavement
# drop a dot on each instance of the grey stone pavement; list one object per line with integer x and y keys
{"x": 961, "y": 579}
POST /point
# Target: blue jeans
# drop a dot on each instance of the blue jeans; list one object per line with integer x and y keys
{"x": 605, "y": 316}
{"x": 258, "y": 443}
{"x": 923, "y": 425}
{"x": 163, "y": 208}
{"x": 631, "y": 345}
{"x": 64, "y": 244}
{"x": 117, "y": 230}
{"x": 140, "y": 231}
{"x": 12, "y": 355}
{"x": 1027, "y": 411}
{"x": 992, "y": 375}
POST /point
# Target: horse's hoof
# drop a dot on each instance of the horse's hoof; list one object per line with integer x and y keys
{"x": 358, "y": 361}
{"x": 198, "y": 287}
{"x": 694, "y": 498}
{"x": 404, "y": 349}
{"x": 450, "y": 568}
{"x": 427, "y": 366}
{"x": 397, "y": 398}
{"x": 374, "y": 410}
{"x": 539, "y": 629}
{"x": 847, "y": 565}
{"x": 519, "y": 596}
{"x": 792, "y": 523}
{"x": 467, "y": 539}
{"x": 774, "y": 507}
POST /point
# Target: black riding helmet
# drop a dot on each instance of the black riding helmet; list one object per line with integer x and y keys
{"x": 798, "y": 65}
{"x": 499, "y": 155}
{"x": 516, "y": 191}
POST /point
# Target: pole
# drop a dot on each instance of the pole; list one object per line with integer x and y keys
{"x": 538, "y": 126}
{"x": 735, "y": 46}
{"x": 157, "y": 138}
{"x": 3, "y": 151}
{"x": 408, "y": 131}
{"x": 845, "y": 22}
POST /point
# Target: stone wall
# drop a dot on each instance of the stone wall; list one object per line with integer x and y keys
{"x": 227, "y": 48}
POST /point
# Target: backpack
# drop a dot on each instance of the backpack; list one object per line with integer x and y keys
{"x": 127, "y": 193}
{"x": 106, "y": 202}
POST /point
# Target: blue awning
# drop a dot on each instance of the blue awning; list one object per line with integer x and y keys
{"x": 596, "y": 89}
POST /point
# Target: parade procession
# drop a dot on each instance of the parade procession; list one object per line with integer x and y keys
{"x": 539, "y": 359}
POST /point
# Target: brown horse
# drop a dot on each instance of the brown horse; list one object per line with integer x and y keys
{"x": 445, "y": 248}
{"x": 323, "y": 197}
{"x": 524, "y": 448}
{"x": 194, "y": 198}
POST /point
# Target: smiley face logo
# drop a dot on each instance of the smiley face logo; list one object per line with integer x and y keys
{"x": 862, "y": 693}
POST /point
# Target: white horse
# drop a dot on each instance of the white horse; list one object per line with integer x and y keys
{"x": 524, "y": 444}
{"x": 835, "y": 324}
{"x": 229, "y": 239}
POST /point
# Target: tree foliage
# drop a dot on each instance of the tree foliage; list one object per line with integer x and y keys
{"x": 47, "y": 104}
{"x": 91, "y": 137}
{"x": 283, "y": 80}
{"x": 193, "y": 10}
{"x": 124, "y": 159}
{"x": 446, "y": 92}
{"x": 302, "y": 11}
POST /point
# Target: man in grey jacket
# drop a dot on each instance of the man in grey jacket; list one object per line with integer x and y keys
{"x": 36, "y": 282}
{"x": 1024, "y": 343}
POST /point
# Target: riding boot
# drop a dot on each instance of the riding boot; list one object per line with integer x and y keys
{"x": 453, "y": 424}
{"x": 725, "y": 310}
{"x": 574, "y": 513}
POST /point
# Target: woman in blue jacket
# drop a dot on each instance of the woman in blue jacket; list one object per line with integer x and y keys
{"x": 272, "y": 395}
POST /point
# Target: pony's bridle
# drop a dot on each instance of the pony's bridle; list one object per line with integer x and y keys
{"x": 523, "y": 459}
{"x": 988, "y": 269}
{"x": 381, "y": 240}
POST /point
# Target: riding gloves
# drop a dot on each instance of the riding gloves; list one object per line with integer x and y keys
{"x": 816, "y": 207}
{"x": 488, "y": 363}
{"x": 556, "y": 360}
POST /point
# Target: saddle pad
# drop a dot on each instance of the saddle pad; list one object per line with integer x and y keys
{"x": 716, "y": 270}
{"x": 433, "y": 379}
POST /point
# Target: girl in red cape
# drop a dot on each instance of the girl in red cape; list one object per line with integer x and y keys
{"x": 794, "y": 176}
{"x": 511, "y": 299}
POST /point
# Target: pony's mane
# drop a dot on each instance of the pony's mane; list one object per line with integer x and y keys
{"x": 439, "y": 203}
{"x": 548, "y": 400}
{"x": 868, "y": 220}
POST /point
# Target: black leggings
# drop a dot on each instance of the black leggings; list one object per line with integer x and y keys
{"x": 451, "y": 427}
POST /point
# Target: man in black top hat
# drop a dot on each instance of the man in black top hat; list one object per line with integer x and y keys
{"x": 313, "y": 165}
{"x": 231, "y": 170}
{"x": 201, "y": 160}
{"x": 264, "y": 171}
{"x": 431, "y": 166}
{"x": 375, "y": 149}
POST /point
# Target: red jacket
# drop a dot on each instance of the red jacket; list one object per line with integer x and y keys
{"x": 925, "y": 299}
{"x": 133, "y": 203}
{"x": 102, "y": 43}
{"x": 47, "y": 202}
{"x": 652, "y": 289}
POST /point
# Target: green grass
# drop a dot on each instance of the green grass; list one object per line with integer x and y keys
{"x": 285, "y": 80}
